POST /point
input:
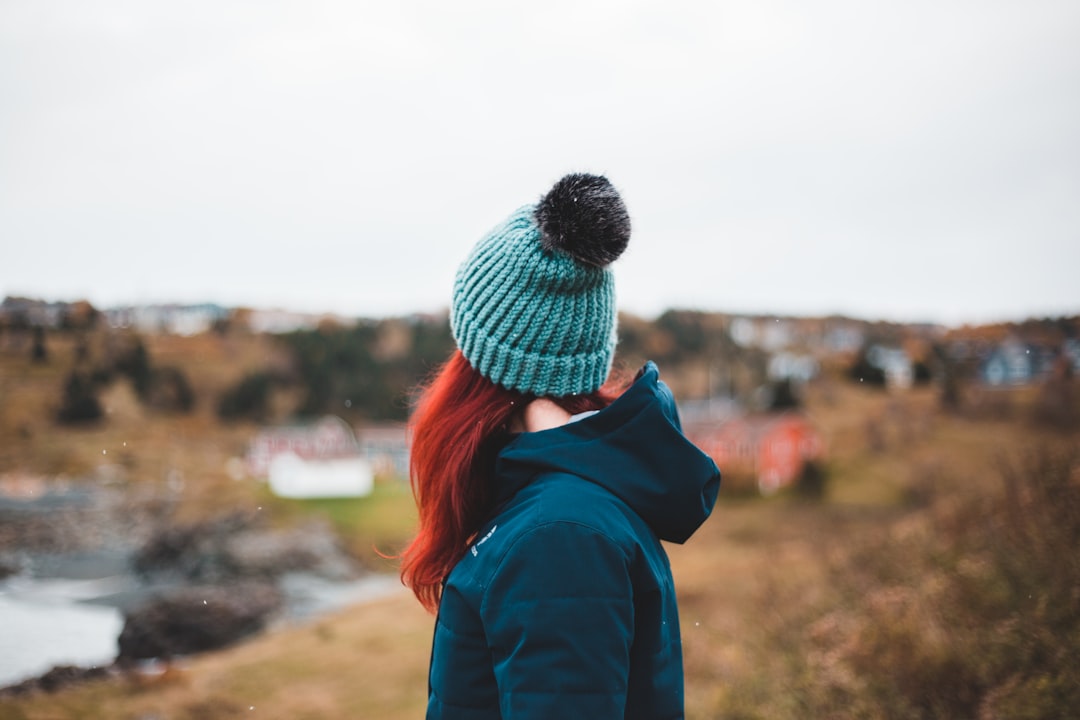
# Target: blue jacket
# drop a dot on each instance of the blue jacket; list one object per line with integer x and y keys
{"x": 564, "y": 606}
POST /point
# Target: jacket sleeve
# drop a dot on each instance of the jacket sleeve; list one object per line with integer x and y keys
{"x": 559, "y": 618}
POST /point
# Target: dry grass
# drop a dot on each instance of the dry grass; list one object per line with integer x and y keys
{"x": 375, "y": 528}
{"x": 132, "y": 444}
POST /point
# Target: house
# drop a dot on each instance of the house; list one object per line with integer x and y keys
{"x": 308, "y": 461}
{"x": 774, "y": 448}
{"x": 1012, "y": 362}
{"x": 767, "y": 333}
{"x": 1070, "y": 349}
{"x": 895, "y": 363}
{"x": 279, "y": 321}
{"x": 20, "y": 312}
{"x": 171, "y": 319}
{"x": 843, "y": 337}
{"x": 797, "y": 367}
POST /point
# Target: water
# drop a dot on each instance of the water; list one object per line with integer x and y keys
{"x": 41, "y": 627}
{"x": 67, "y": 608}
{"x": 308, "y": 596}
{"x": 49, "y": 621}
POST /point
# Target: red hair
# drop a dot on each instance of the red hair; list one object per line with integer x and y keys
{"x": 458, "y": 427}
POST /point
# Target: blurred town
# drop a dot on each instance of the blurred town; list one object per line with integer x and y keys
{"x": 164, "y": 459}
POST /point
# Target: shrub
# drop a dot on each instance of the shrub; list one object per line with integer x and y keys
{"x": 79, "y": 403}
{"x": 168, "y": 390}
{"x": 1057, "y": 405}
{"x": 812, "y": 481}
{"x": 782, "y": 396}
{"x": 863, "y": 371}
{"x": 349, "y": 370}
{"x": 38, "y": 352}
{"x": 249, "y": 399}
{"x": 973, "y": 611}
{"x": 129, "y": 357}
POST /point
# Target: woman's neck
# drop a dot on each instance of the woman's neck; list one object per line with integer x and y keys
{"x": 540, "y": 414}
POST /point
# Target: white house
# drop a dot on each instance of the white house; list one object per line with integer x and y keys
{"x": 895, "y": 362}
{"x": 294, "y": 477}
{"x": 312, "y": 461}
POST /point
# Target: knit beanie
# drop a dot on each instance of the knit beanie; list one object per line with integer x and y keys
{"x": 534, "y": 302}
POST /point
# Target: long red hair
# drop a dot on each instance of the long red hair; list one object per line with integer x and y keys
{"x": 459, "y": 425}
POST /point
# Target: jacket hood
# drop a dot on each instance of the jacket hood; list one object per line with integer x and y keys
{"x": 635, "y": 449}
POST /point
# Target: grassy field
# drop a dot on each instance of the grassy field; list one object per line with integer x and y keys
{"x": 936, "y": 578}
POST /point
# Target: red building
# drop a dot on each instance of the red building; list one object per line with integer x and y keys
{"x": 773, "y": 448}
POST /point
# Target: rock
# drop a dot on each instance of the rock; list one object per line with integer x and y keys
{"x": 193, "y": 552}
{"x": 188, "y": 620}
{"x": 312, "y": 548}
{"x": 67, "y": 516}
{"x": 12, "y": 564}
{"x": 235, "y": 547}
{"x": 58, "y": 678}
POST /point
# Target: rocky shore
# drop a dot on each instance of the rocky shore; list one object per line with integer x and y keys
{"x": 188, "y": 588}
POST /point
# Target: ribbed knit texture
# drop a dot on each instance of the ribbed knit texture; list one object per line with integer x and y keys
{"x": 531, "y": 319}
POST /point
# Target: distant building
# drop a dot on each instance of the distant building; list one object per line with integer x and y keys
{"x": 770, "y": 334}
{"x": 1071, "y": 350}
{"x": 20, "y": 312}
{"x": 386, "y": 448}
{"x": 895, "y": 363}
{"x": 1013, "y": 362}
{"x": 774, "y": 448}
{"x": 843, "y": 337}
{"x": 308, "y": 461}
{"x": 280, "y": 321}
{"x": 709, "y": 410}
{"x": 171, "y": 319}
{"x": 796, "y": 367}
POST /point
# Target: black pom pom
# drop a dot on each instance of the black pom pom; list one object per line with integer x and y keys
{"x": 584, "y": 217}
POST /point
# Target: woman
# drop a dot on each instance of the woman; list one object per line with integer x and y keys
{"x": 543, "y": 491}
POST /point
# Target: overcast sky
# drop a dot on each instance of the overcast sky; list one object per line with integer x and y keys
{"x": 914, "y": 160}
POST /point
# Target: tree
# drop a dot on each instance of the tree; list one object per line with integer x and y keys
{"x": 863, "y": 371}
{"x": 80, "y": 404}
{"x": 79, "y": 315}
{"x": 169, "y": 390}
{"x": 783, "y": 396}
{"x": 133, "y": 360}
{"x": 39, "y": 354}
{"x": 345, "y": 371}
{"x": 249, "y": 399}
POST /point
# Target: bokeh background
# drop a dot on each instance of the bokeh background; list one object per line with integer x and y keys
{"x": 230, "y": 229}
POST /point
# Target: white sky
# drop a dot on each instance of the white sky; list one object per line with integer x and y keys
{"x": 914, "y": 160}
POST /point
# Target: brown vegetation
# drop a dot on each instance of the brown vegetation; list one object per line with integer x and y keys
{"x": 935, "y": 576}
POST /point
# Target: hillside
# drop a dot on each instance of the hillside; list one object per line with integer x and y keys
{"x": 131, "y": 443}
{"x": 935, "y": 577}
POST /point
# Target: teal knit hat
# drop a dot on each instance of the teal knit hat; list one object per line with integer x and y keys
{"x": 534, "y": 303}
